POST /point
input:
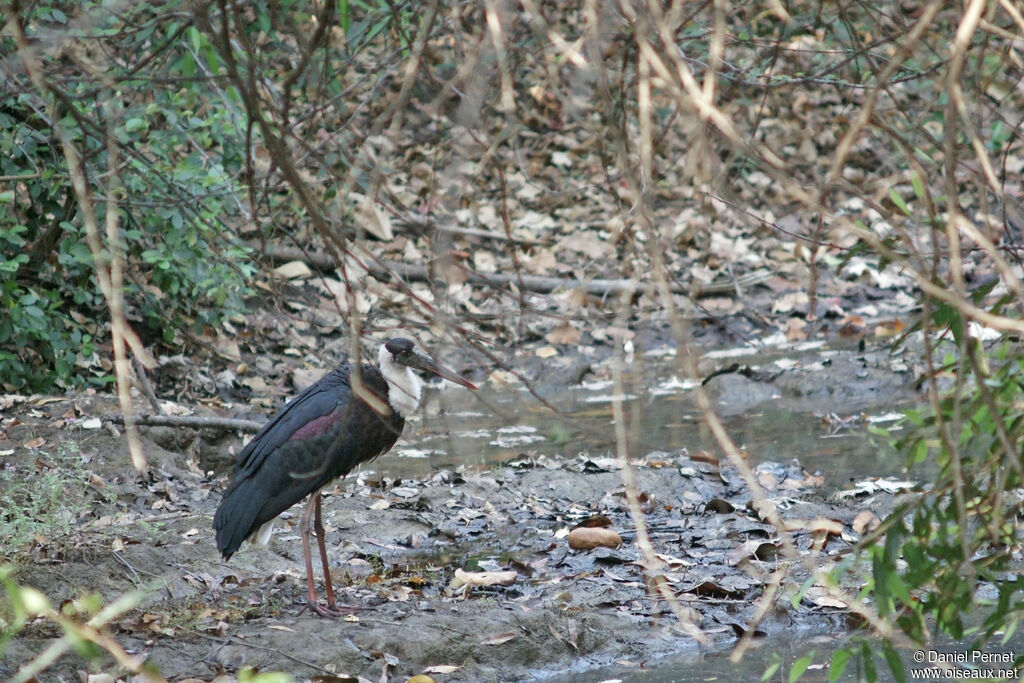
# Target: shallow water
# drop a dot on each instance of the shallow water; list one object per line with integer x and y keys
{"x": 492, "y": 426}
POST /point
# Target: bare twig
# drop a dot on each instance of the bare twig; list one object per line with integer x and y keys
{"x": 191, "y": 421}
{"x": 534, "y": 283}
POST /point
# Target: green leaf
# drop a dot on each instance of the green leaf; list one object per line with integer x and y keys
{"x": 840, "y": 658}
{"x": 136, "y": 123}
{"x": 771, "y": 669}
{"x": 892, "y": 658}
{"x": 799, "y": 667}
{"x": 918, "y": 184}
{"x": 898, "y": 201}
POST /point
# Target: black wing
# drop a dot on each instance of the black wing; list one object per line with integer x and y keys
{"x": 316, "y": 401}
{"x": 321, "y": 434}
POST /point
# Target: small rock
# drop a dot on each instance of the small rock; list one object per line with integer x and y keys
{"x": 587, "y": 538}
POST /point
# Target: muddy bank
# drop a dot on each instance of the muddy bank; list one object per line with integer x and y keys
{"x": 395, "y": 546}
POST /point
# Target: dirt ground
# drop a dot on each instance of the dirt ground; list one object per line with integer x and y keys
{"x": 395, "y": 546}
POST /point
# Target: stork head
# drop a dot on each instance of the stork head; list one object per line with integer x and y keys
{"x": 398, "y": 358}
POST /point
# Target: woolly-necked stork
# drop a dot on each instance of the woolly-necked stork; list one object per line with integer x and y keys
{"x": 319, "y": 436}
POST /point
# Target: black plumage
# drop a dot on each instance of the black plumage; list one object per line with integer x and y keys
{"x": 322, "y": 434}
{"x": 282, "y": 465}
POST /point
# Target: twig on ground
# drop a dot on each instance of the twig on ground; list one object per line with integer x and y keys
{"x": 192, "y": 421}
{"x": 534, "y": 283}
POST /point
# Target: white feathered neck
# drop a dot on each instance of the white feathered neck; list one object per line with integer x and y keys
{"x": 404, "y": 386}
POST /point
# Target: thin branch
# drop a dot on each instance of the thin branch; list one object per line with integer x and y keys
{"x": 191, "y": 421}
{"x": 533, "y": 283}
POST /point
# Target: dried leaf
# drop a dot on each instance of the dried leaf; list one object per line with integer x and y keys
{"x": 293, "y": 270}
{"x": 441, "y": 669}
{"x": 889, "y": 328}
{"x": 373, "y": 219}
{"x": 499, "y": 638}
{"x": 464, "y": 578}
{"x": 821, "y": 597}
{"x": 563, "y": 334}
{"x": 865, "y": 520}
{"x": 817, "y": 526}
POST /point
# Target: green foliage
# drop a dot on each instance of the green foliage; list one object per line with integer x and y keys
{"x": 936, "y": 552}
{"x": 179, "y": 160}
{"x": 81, "y": 620}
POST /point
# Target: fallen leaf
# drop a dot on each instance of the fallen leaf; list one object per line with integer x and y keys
{"x": 226, "y": 347}
{"x": 888, "y": 328}
{"x": 594, "y": 521}
{"x": 374, "y": 220}
{"x": 817, "y": 526}
{"x": 498, "y": 639}
{"x": 563, "y": 334}
{"x": 790, "y": 302}
{"x": 37, "y": 442}
{"x": 865, "y": 520}
{"x": 441, "y": 669}
{"x": 464, "y": 578}
{"x": 546, "y": 352}
{"x": 256, "y": 383}
{"x": 820, "y": 597}
{"x": 293, "y": 270}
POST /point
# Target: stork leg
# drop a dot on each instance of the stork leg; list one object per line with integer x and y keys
{"x": 321, "y": 542}
{"x": 313, "y": 512}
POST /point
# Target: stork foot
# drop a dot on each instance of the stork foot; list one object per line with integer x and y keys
{"x": 331, "y": 611}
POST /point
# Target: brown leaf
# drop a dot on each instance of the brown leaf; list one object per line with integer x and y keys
{"x": 594, "y": 521}
{"x": 865, "y": 520}
{"x": 888, "y": 328}
{"x": 499, "y": 638}
{"x": 563, "y": 334}
{"x": 707, "y": 457}
{"x": 719, "y": 506}
{"x": 373, "y": 219}
{"x": 819, "y": 525}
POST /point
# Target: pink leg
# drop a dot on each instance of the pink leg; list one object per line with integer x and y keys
{"x": 313, "y": 507}
{"x": 331, "y": 609}
{"x": 318, "y": 526}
